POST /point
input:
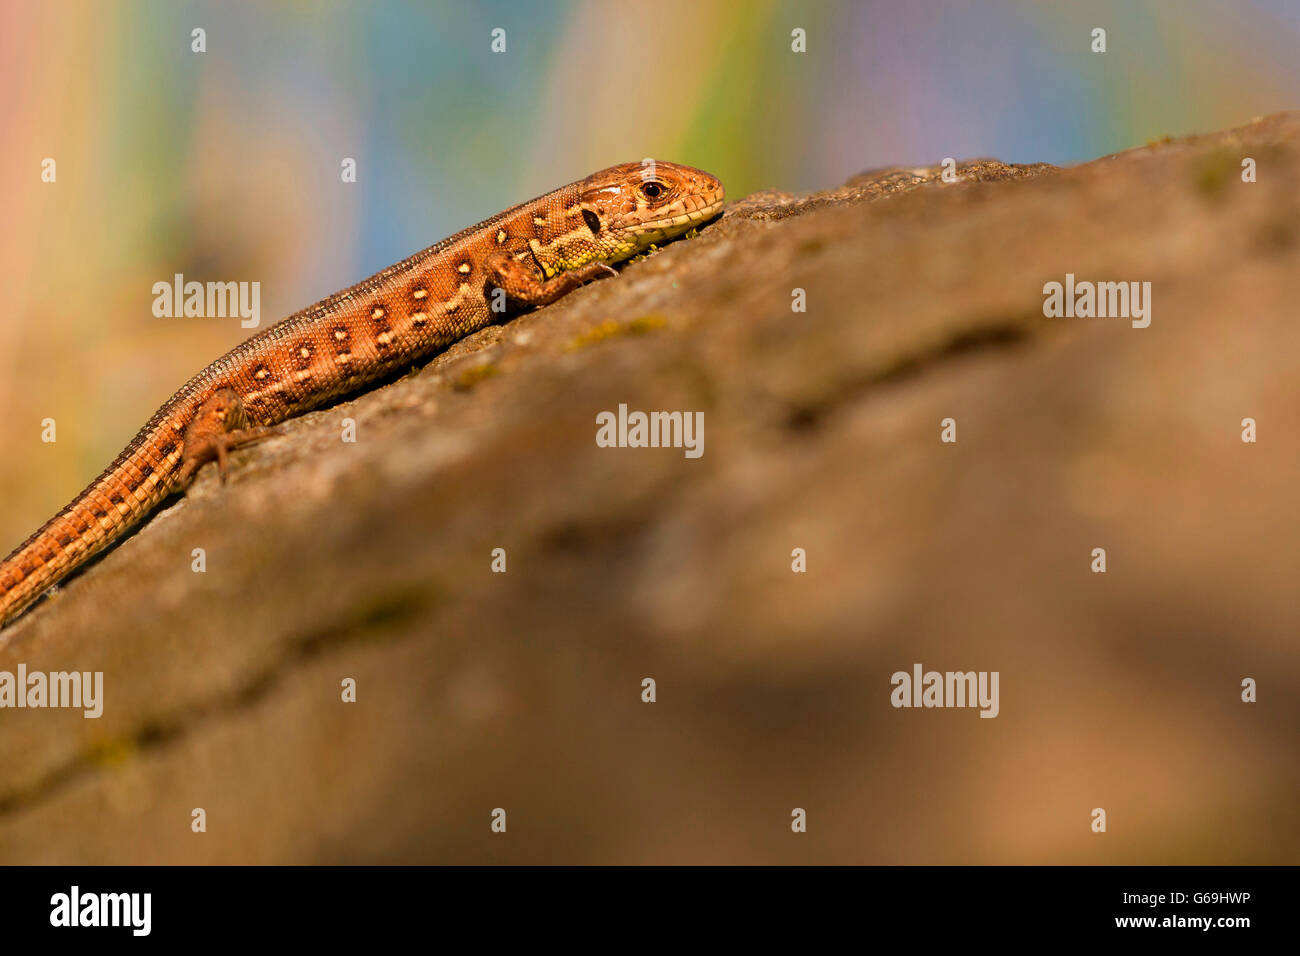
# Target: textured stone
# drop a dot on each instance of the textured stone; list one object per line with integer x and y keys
{"x": 521, "y": 690}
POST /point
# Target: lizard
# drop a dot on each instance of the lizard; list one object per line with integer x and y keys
{"x": 529, "y": 255}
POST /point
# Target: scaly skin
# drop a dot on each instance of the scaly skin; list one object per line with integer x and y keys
{"x": 533, "y": 253}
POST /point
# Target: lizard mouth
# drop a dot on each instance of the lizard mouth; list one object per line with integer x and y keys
{"x": 698, "y": 210}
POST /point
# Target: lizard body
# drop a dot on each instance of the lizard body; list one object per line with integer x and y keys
{"x": 531, "y": 254}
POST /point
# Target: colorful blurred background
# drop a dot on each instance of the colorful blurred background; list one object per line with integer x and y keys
{"x": 225, "y": 165}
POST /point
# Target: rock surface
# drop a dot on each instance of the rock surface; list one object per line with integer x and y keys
{"x": 477, "y": 690}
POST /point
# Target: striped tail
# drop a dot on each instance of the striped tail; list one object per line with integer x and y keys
{"x": 115, "y": 502}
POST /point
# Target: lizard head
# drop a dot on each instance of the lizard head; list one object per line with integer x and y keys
{"x": 628, "y": 208}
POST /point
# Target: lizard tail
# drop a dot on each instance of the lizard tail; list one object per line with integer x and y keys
{"x": 141, "y": 476}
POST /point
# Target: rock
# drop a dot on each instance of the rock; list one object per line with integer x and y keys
{"x": 522, "y": 690}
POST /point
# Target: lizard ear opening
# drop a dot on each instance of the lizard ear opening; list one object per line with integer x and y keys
{"x": 592, "y": 221}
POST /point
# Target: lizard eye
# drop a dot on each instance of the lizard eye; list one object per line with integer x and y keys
{"x": 652, "y": 189}
{"x": 592, "y": 221}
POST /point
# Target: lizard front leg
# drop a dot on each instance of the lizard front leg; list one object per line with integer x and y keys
{"x": 219, "y": 426}
{"x": 521, "y": 283}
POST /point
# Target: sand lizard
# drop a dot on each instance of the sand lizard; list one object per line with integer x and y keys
{"x": 531, "y": 254}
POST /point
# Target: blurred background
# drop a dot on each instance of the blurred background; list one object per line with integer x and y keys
{"x": 226, "y": 164}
